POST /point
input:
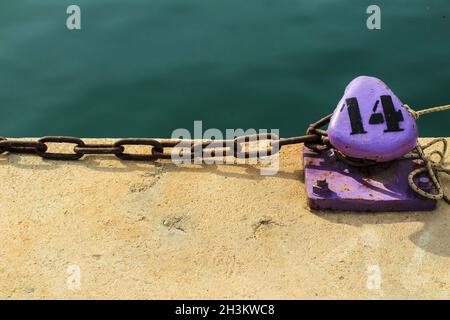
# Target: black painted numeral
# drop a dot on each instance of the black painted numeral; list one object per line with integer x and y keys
{"x": 393, "y": 117}
{"x": 355, "y": 116}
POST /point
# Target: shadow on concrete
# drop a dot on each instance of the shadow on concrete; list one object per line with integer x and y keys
{"x": 251, "y": 172}
{"x": 90, "y": 162}
{"x": 433, "y": 237}
{"x": 98, "y": 163}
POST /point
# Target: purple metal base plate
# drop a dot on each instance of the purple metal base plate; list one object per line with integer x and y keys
{"x": 334, "y": 185}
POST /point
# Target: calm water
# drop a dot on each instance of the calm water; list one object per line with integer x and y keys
{"x": 143, "y": 68}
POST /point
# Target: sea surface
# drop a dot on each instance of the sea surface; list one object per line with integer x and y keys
{"x": 142, "y": 68}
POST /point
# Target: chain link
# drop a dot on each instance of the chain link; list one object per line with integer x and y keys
{"x": 59, "y": 156}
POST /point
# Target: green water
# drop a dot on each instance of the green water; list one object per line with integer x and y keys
{"x": 144, "y": 68}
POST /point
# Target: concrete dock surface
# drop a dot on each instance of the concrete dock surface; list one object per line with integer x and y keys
{"x": 101, "y": 228}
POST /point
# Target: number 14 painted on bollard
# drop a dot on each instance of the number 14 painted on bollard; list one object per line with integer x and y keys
{"x": 392, "y": 117}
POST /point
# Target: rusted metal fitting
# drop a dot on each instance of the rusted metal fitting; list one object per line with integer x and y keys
{"x": 321, "y": 187}
{"x": 330, "y": 156}
{"x": 424, "y": 183}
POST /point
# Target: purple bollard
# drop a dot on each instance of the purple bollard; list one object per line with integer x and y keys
{"x": 370, "y": 122}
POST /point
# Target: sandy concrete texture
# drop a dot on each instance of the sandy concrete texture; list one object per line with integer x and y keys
{"x": 104, "y": 228}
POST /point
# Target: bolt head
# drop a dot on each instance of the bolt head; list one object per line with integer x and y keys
{"x": 321, "y": 187}
{"x": 322, "y": 183}
{"x": 424, "y": 182}
{"x": 319, "y": 191}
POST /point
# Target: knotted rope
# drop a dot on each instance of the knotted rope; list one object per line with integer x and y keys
{"x": 432, "y": 167}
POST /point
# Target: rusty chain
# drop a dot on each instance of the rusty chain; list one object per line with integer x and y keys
{"x": 315, "y": 138}
{"x": 157, "y": 150}
{"x": 157, "y": 147}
